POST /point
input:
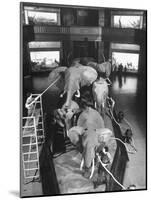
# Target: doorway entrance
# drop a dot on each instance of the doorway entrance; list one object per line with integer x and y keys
{"x": 84, "y": 49}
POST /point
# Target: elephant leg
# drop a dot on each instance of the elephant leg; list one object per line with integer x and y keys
{"x": 92, "y": 170}
{"x": 82, "y": 163}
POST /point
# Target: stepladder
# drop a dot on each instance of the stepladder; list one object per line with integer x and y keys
{"x": 36, "y": 110}
{"x": 33, "y": 136}
{"x": 30, "y": 151}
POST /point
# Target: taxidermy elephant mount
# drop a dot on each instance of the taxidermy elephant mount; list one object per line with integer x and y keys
{"x": 101, "y": 68}
{"x": 76, "y": 77}
{"x": 100, "y": 93}
{"x": 91, "y": 135}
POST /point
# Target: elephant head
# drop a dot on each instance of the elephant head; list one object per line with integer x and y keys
{"x": 63, "y": 117}
{"x": 89, "y": 141}
{"x": 93, "y": 140}
{"x": 76, "y": 77}
{"x": 100, "y": 93}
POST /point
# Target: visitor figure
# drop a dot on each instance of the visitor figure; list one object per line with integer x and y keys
{"x": 120, "y": 70}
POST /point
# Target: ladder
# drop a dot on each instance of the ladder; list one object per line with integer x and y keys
{"x": 30, "y": 152}
{"x": 33, "y": 135}
{"x": 39, "y": 118}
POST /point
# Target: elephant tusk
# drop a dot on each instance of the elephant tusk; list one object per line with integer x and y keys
{"x": 95, "y": 105}
{"x": 78, "y": 94}
{"x": 67, "y": 133}
{"x": 62, "y": 94}
{"x": 82, "y": 163}
{"x": 92, "y": 171}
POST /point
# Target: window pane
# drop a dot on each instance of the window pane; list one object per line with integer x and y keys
{"x": 121, "y": 21}
{"x": 43, "y": 59}
{"x": 128, "y": 60}
{"x": 42, "y": 18}
{"x": 119, "y": 46}
{"x": 44, "y": 45}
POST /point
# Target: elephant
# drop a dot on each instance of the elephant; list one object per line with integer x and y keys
{"x": 100, "y": 93}
{"x": 55, "y": 73}
{"x": 90, "y": 135}
{"x": 76, "y": 77}
{"x": 88, "y": 142}
{"x": 63, "y": 117}
{"x": 103, "y": 69}
{"x": 92, "y": 140}
{"x": 82, "y": 61}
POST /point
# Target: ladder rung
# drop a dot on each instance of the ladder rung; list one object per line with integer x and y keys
{"x": 40, "y": 123}
{"x": 34, "y": 152}
{"x": 28, "y": 126}
{"x": 31, "y": 169}
{"x": 40, "y": 129}
{"x": 29, "y": 135}
{"x": 28, "y": 161}
{"x": 32, "y": 176}
{"x": 39, "y": 143}
{"x": 28, "y": 117}
{"x": 29, "y": 144}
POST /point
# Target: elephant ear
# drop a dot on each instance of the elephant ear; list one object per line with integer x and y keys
{"x": 74, "y": 134}
{"x": 104, "y": 135}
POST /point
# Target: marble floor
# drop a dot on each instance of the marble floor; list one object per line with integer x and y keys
{"x": 129, "y": 93}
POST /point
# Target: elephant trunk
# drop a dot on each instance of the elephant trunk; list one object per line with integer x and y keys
{"x": 89, "y": 155}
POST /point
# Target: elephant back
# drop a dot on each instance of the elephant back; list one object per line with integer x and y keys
{"x": 72, "y": 78}
{"x": 55, "y": 73}
{"x": 90, "y": 118}
{"x": 88, "y": 76}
